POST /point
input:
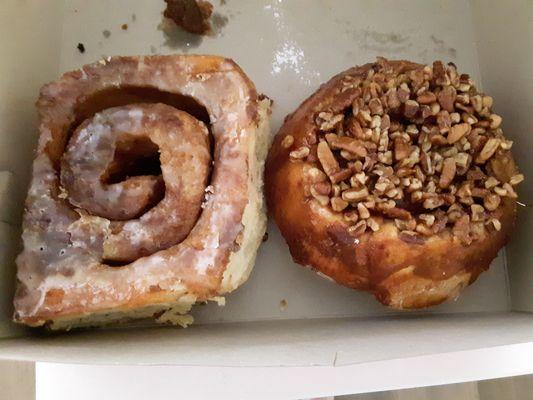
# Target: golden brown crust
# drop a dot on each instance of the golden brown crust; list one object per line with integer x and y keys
{"x": 63, "y": 271}
{"x": 399, "y": 274}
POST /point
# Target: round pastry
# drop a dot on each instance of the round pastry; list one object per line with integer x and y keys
{"x": 146, "y": 194}
{"x": 394, "y": 178}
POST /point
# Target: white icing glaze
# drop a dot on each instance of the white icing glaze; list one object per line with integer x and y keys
{"x": 201, "y": 257}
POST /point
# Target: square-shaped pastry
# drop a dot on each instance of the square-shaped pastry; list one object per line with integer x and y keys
{"x": 146, "y": 191}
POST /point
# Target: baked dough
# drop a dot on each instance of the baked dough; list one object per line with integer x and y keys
{"x": 99, "y": 249}
{"x": 394, "y": 178}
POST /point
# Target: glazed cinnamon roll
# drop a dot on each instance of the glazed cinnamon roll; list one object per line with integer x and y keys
{"x": 146, "y": 194}
{"x": 395, "y": 178}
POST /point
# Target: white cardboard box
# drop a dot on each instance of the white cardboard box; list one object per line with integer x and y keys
{"x": 328, "y": 340}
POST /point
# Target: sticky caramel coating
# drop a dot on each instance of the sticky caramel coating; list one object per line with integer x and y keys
{"x": 400, "y": 273}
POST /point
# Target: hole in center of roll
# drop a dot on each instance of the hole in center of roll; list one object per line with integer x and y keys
{"x": 136, "y": 157}
{"x": 133, "y": 157}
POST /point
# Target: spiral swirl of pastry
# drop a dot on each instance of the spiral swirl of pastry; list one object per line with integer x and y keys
{"x": 138, "y": 208}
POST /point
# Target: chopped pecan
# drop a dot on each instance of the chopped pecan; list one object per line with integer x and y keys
{"x": 461, "y": 229}
{"x": 338, "y": 204}
{"x": 323, "y": 188}
{"x": 510, "y": 191}
{"x": 428, "y": 219}
{"x": 352, "y": 145}
{"x": 358, "y": 229}
{"x": 440, "y": 224}
{"x": 327, "y": 159}
{"x": 506, "y": 144}
{"x": 444, "y": 121}
{"x": 363, "y": 211}
{"x": 495, "y": 121}
{"x": 491, "y": 182}
{"x": 287, "y": 141}
{"x": 405, "y": 224}
{"x": 354, "y": 127}
{"x": 341, "y": 175}
{"x": 411, "y": 108}
{"x": 351, "y": 216}
{"x": 403, "y": 94}
{"x": 321, "y": 198}
{"x": 495, "y": 224}
{"x": 352, "y": 195}
{"x": 372, "y": 224}
{"x": 385, "y": 122}
{"x": 364, "y": 117}
{"x": 329, "y": 121}
{"x": 488, "y": 150}
{"x": 516, "y": 179}
{"x": 433, "y": 202}
{"x": 426, "y": 98}
{"x": 411, "y": 237}
{"x": 439, "y": 74}
{"x": 345, "y": 99}
{"x": 448, "y": 172}
{"x": 491, "y": 201}
{"x": 402, "y": 149}
{"x": 438, "y": 140}
{"x": 501, "y": 167}
{"x": 375, "y": 106}
{"x": 479, "y": 192}
{"x": 424, "y": 230}
{"x": 398, "y": 213}
{"x": 299, "y": 153}
{"x": 315, "y": 175}
{"x": 457, "y": 132}
{"x": 446, "y": 98}
{"x": 392, "y": 98}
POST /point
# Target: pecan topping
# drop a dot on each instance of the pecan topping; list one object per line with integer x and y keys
{"x": 457, "y": 132}
{"x": 349, "y": 144}
{"x": 287, "y": 141}
{"x": 411, "y": 237}
{"x": 421, "y": 148}
{"x": 488, "y": 150}
{"x": 447, "y": 173}
{"x": 327, "y": 159}
{"x": 300, "y": 153}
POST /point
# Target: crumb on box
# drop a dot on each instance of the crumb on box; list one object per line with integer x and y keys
{"x": 283, "y": 304}
{"x": 124, "y": 27}
{"x": 106, "y": 33}
{"x": 191, "y": 15}
{"x": 81, "y": 47}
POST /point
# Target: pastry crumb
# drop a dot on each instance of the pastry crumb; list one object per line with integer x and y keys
{"x": 220, "y": 300}
{"x": 170, "y": 317}
{"x": 283, "y": 305}
{"x": 81, "y": 47}
{"x": 191, "y": 15}
{"x": 106, "y": 33}
{"x": 124, "y": 27}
